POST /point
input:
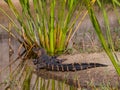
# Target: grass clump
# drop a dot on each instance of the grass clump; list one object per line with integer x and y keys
{"x": 51, "y": 26}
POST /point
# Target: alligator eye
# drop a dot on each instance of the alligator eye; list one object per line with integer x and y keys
{"x": 35, "y": 61}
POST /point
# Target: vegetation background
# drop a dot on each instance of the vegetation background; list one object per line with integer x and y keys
{"x": 84, "y": 40}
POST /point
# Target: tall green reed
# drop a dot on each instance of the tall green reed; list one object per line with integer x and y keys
{"x": 106, "y": 44}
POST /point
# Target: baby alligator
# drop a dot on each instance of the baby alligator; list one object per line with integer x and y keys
{"x": 43, "y": 61}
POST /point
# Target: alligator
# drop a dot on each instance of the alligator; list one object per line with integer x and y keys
{"x": 52, "y": 63}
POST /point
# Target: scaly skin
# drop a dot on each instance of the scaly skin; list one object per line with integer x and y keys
{"x": 43, "y": 61}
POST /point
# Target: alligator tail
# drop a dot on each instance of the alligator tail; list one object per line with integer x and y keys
{"x": 73, "y": 67}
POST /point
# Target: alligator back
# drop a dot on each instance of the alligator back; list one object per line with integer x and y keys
{"x": 73, "y": 67}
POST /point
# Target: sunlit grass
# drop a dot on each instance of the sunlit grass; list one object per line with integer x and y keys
{"x": 51, "y": 26}
{"x": 106, "y": 44}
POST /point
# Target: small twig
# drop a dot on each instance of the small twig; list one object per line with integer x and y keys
{"x": 10, "y": 46}
{"x": 19, "y": 49}
{"x": 29, "y": 51}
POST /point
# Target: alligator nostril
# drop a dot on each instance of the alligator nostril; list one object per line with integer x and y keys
{"x": 35, "y": 61}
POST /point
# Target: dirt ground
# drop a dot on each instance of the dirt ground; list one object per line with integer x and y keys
{"x": 95, "y": 76}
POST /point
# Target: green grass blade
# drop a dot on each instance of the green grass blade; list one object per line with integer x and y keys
{"x": 25, "y": 6}
{"x": 35, "y": 85}
{"x": 52, "y": 27}
{"x": 102, "y": 39}
{"x": 15, "y": 11}
{"x": 71, "y": 9}
{"x": 106, "y": 20}
{"x": 53, "y": 84}
{"x": 117, "y": 2}
{"x": 116, "y": 10}
{"x": 26, "y": 83}
{"x": 12, "y": 21}
{"x": 41, "y": 83}
{"x": 61, "y": 13}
